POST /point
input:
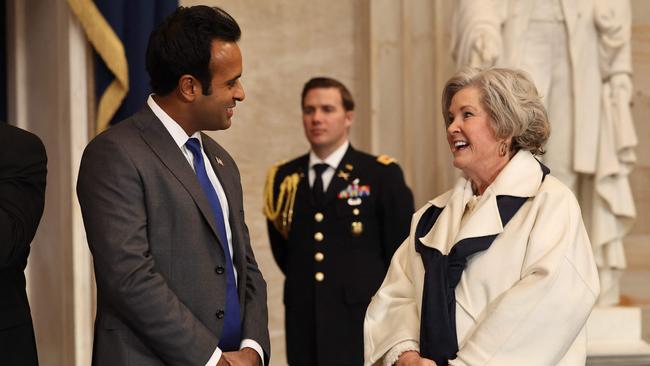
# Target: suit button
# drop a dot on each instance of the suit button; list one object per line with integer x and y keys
{"x": 219, "y": 270}
{"x": 319, "y": 276}
{"x": 220, "y": 314}
{"x": 319, "y": 236}
{"x": 319, "y": 217}
{"x": 319, "y": 256}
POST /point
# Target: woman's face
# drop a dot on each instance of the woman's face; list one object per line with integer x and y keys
{"x": 471, "y": 137}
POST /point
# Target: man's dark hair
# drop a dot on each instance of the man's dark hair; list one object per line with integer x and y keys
{"x": 182, "y": 44}
{"x": 325, "y": 82}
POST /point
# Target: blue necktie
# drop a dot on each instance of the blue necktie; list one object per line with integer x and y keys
{"x": 231, "y": 332}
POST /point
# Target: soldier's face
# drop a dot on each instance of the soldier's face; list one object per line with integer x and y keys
{"x": 325, "y": 120}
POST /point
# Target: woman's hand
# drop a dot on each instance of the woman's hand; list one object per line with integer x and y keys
{"x": 412, "y": 358}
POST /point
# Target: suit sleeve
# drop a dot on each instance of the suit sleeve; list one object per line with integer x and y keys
{"x": 111, "y": 195}
{"x": 255, "y": 315}
{"x": 23, "y": 170}
{"x": 396, "y": 210}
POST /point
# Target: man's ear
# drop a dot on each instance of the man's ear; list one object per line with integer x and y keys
{"x": 349, "y": 118}
{"x": 188, "y": 87}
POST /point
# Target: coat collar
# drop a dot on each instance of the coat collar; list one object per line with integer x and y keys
{"x": 521, "y": 177}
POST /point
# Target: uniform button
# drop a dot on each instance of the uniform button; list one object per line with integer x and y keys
{"x": 355, "y": 212}
{"x": 219, "y": 270}
{"x": 318, "y": 217}
{"x": 220, "y": 314}
{"x": 319, "y": 276}
{"x": 319, "y": 236}
{"x": 319, "y": 256}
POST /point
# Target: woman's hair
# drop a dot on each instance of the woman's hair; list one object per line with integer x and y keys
{"x": 512, "y": 101}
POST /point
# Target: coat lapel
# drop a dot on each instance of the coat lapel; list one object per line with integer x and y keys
{"x": 160, "y": 141}
{"x": 445, "y": 230}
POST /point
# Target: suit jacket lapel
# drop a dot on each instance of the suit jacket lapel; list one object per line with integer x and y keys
{"x": 224, "y": 175}
{"x": 156, "y": 136}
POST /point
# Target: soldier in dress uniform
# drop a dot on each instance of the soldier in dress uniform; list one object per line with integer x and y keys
{"x": 335, "y": 217}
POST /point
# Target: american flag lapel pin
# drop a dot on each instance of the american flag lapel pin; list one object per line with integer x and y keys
{"x": 218, "y": 160}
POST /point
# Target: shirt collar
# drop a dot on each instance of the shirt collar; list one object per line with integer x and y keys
{"x": 174, "y": 129}
{"x": 333, "y": 160}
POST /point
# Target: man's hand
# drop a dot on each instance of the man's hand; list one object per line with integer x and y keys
{"x": 244, "y": 357}
{"x": 412, "y": 358}
{"x": 223, "y": 362}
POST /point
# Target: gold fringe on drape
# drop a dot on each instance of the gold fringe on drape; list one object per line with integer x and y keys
{"x": 110, "y": 48}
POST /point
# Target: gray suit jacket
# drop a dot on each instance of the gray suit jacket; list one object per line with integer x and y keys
{"x": 158, "y": 262}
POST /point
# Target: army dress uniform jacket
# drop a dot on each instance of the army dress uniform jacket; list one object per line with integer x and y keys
{"x": 334, "y": 255}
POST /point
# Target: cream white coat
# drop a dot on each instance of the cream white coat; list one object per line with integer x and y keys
{"x": 524, "y": 301}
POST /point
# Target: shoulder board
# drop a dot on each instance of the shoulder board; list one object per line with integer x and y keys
{"x": 385, "y": 159}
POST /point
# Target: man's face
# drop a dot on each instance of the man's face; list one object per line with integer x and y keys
{"x": 214, "y": 111}
{"x": 325, "y": 120}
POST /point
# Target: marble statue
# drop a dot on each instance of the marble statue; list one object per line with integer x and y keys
{"x": 578, "y": 54}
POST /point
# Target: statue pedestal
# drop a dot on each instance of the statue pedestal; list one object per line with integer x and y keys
{"x": 614, "y": 337}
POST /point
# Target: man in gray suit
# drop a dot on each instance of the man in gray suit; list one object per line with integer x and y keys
{"x": 177, "y": 281}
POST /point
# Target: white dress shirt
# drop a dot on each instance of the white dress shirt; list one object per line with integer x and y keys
{"x": 333, "y": 161}
{"x": 180, "y": 137}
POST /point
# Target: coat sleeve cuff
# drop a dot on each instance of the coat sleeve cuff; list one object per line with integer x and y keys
{"x": 393, "y": 354}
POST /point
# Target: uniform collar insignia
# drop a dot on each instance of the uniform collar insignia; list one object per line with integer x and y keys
{"x": 343, "y": 175}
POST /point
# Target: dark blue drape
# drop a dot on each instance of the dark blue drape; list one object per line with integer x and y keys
{"x": 132, "y": 21}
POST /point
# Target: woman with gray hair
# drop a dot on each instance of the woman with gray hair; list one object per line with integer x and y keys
{"x": 498, "y": 270}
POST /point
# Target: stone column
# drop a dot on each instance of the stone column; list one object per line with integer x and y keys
{"x": 48, "y": 88}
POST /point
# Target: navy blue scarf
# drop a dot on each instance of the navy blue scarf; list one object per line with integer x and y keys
{"x": 438, "y": 338}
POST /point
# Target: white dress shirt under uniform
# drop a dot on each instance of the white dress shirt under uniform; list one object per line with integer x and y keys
{"x": 333, "y": 161}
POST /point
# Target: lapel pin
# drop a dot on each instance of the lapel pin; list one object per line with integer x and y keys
{"x": 349, "y": 166}
{"x": 218, "y": 160}
{"x": 343, "y": 175}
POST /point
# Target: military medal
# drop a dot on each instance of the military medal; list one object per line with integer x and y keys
{"x": 354, "y": 192}
{"x": 357, "y": 228}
